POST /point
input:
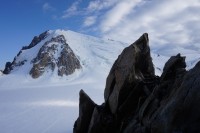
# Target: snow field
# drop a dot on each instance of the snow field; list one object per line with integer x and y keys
{"x": 49, "y": 104}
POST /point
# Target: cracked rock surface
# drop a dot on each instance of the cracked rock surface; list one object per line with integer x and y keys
{"x": 138, "y": 101}
{"x": 55, "y": 53}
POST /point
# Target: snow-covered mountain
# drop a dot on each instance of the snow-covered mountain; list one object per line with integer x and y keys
{"x": 62, "y": 53}
{"x": 49, "y": 103}
{"x": 39, "y": 93}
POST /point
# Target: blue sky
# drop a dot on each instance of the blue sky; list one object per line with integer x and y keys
{"x": 171, "y": 22}
{"x": 21, "y": 20}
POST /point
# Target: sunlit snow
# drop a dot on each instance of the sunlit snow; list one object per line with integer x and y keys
{"x": 49, "y": 104}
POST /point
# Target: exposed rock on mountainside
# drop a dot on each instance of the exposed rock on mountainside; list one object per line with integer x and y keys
{"x": 8, "y": 68}
{"x": 37, "y": 39}
{"x": 54, "y": 55}
{"x": 55, "y": 52}
{"x": 137, "y": 101}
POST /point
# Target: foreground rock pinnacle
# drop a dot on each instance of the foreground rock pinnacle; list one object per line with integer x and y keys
{"x": 133, "y": 65}
{"x": 138, "y": 101}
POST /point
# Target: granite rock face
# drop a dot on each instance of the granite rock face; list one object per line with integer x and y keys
{"x": 36, "y": 40}
{"x": 8, "y": 68}
{"x": 137, "y": 101}
{"x": 132, "y": 66}
{"x": 11, "y": 65}
{"x": 55, "y": 53}
{"x": 86, "y": 108}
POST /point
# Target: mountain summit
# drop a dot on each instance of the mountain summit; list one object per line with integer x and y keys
{"x": 49, "y": 103}
{"x": 62, "y": 53}
{"x": 54, "y": 55}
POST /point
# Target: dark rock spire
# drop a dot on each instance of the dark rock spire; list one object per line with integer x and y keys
{"x": 137, "y": 101}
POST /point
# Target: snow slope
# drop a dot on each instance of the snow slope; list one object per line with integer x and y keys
{"x": 49, "y": 104}
{"x": 161, "y": 55}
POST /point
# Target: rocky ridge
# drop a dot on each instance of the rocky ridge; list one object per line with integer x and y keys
{"x": 11, "y": 65}
{"x": 138, "y": 101}
{"x": 55, "y": 52}
{"x": 54, "y": 55}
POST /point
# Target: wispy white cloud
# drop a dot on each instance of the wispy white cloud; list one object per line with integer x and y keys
{"x": 117, "y": 13}
{"x": 47, "y": 7}
{"x": 89, "y": 21}
{"x": 97, "y": 5}
{"x": 172, "y": 22}
{"x": 72, "y": 10}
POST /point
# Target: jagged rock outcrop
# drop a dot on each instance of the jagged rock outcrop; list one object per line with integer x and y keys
{"x": 86, "y": 107}
{"x": 11, "y": 65}
{"x": 148, "y": 113}
{"x": 137, "y": 101}
{"x": 55, "y": 52}
{"x": 8, "y": 68}
{"x": 131, "y": 67}
{"x": 36, "y": 40}
{"x": 179, "y": 110}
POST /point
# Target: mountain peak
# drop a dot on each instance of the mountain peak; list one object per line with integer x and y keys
{"x": 61, "y": 53}
{"x": 36, "y": 40}
{"x": 53, "y": 54}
